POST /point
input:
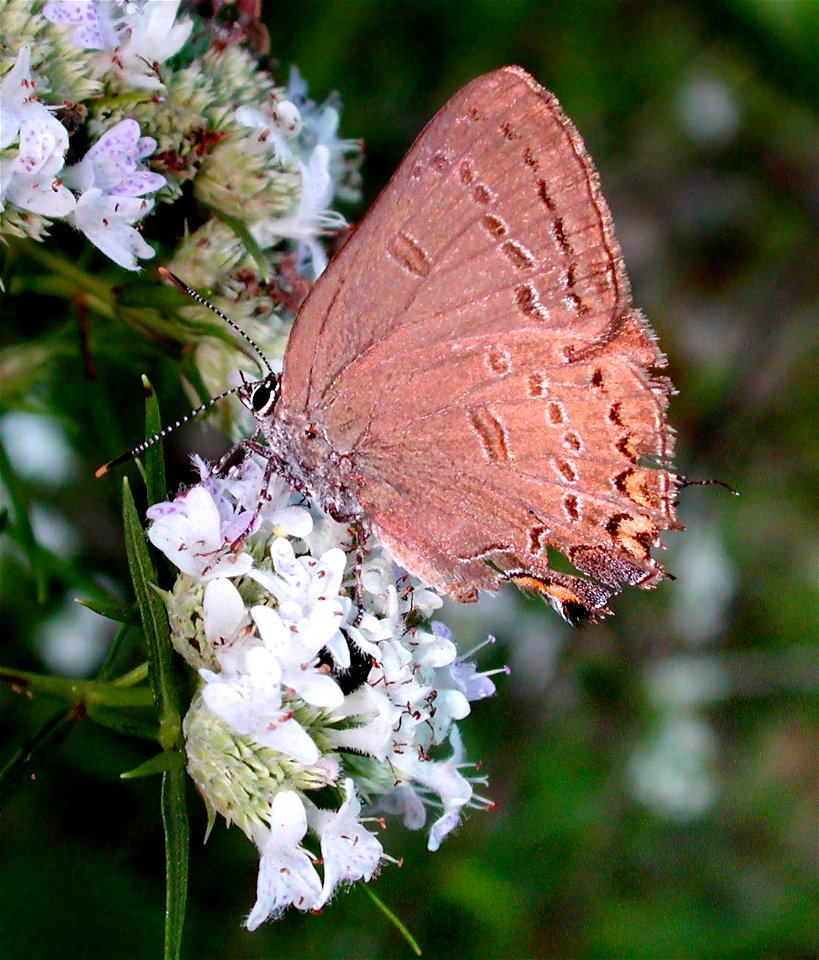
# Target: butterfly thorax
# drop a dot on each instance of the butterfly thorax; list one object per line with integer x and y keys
{"x": 300, "y": 452}
{"x": 311, "y": 464}
{"x": 306, "y": 459}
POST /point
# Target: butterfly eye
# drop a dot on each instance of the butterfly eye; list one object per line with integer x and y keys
{"x": 261, "y": 397}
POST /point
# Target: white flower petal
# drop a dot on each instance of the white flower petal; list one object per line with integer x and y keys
{"x": 453, "y": 703}
{"x": 433, "y": 651}
{"x": 227, "y": 702}
{"x": 265, "y": 672}
{"x": 106, "y": 222}
{"x": 275, "y": 636}
{"x": 41, "y": 135}
{"x": 288, "y": 818}
{"x": 340, "y": 650}
{"x": 15, "y": 89}
{"x": 155, "y": 36}
{"x": 318, "y": 689}
{"x": 188, "y": 531}
{"x": 290, "y": 737}
{"x": 405, "y": 802}
{"x": 329, "y": 574}
{"x": 265, "y": 579}
{"x": 292, "y": 521}
{"x": 286, "y": 564}
{"x": 73, "y": 12}
{"x": 441, "y": 828}
{"x": 373, "y": 738}
{"x": 223, "y": 610}
{"x": 228, "y": 565}
{"x": 349, "y": 851}
{"x": 95, "y": 29}
{"x": 113, "y": 164}
{"x": 287, "y": 876}
{"x": 251, "y": 704}
{"x": 41, "y": 194}
{"x": 455, "y": 791}
{"x": 320, "y": 626}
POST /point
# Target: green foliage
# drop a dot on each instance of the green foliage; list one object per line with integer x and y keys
{"x": 161, "y": 674}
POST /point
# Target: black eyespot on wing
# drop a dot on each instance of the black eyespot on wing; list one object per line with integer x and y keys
{"x": 261, "y": 397}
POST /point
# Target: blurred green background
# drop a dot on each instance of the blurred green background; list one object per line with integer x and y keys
{"x": 655, "y": 775}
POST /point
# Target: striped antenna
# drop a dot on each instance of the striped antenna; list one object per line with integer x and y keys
{"x": 141, "y": 447}
{"x": 172, "y": 278}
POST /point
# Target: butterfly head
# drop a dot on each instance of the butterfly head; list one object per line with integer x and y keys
{"x": 260, "y": 396}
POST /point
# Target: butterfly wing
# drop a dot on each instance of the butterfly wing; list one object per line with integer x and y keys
{"x": 473, "y": 351}
{"x": 497, "y": 178}
{"x": 505, "y": 450}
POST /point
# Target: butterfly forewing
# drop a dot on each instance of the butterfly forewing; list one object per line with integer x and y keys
{"x": 497, "y": 178}
{"x": 473, "y": 354}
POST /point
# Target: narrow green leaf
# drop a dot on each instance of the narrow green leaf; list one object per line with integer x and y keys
{"x": 108, "y": 667}
{"x": 193, "y": 375}
{"x": 157, "y": 638}
{"x": 399, "y": 926}
{"x": 141, "y": 470}
{"x": 115, "y": 718}
{"x": 177, "y": 840}
{"x": 239, "y": 227}
{"x": 35, "y": 751}
{"x": 110, "y": 609}
{"x": 48, "y": 566}
{"x": 159, "y": 763}
{"x": 154, "y": 459}
{"x": 152, "y": 614}
{"x": 22, "y": 525}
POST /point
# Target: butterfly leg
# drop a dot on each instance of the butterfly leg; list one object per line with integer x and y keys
{"x": 264, "y": 494}
{"x": 357, "y": 532}
{"x": 227, "y": 459}
{"x": 250, "y": 445}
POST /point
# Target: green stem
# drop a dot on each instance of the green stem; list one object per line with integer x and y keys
{"x": 98, "y": 293}
{"x": 137, "y": 675}
{"x": 87, "y": 692}
{"x": 399, "y": 926}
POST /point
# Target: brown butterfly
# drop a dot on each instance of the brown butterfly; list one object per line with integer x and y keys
{"x": 468, "y": 379}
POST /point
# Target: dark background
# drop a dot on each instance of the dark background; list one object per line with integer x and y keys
{"x": 655, "y": 775}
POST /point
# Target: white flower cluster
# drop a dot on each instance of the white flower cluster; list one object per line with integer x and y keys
{"x": 253, "y": 154}
{"x": 324, "y": 685}
{"x": 110, "y": 180}
{"x": 133, "y": 37}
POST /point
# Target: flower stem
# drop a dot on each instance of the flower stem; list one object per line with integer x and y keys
{"x": 86, "y": 692}
{"x": 399, "y": 926}
{"x": 137, "y": 675}
{"x": 98, "y": 293}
